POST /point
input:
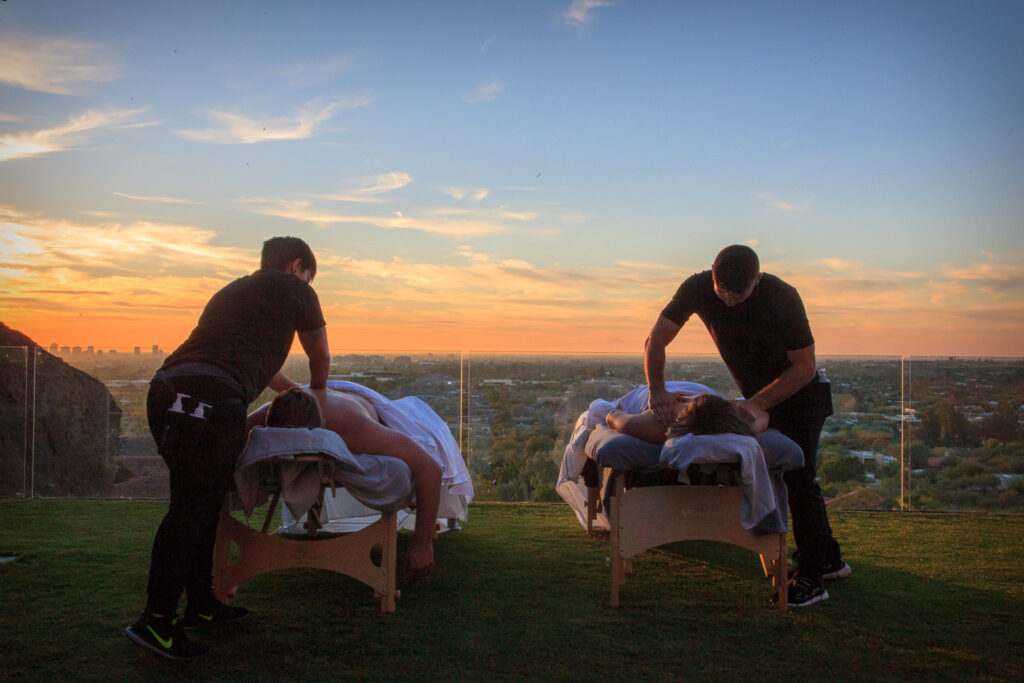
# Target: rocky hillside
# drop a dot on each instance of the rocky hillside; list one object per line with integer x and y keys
{"x": 59, "y": 427}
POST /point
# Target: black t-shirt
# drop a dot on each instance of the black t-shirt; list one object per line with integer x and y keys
{"x": 247, "y": 328}
{"x": 752, "y": 337}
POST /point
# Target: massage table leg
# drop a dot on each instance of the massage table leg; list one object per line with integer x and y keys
{"x": 350, "y": 555}
{"x": 644, "y": 518}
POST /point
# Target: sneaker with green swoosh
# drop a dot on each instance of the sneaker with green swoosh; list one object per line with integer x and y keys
{"x": 164, "y": 636}
{"x": 213, "y": 613}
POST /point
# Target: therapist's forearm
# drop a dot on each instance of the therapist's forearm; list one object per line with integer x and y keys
{"x": 654, "y": 366}
{"x": 785, "y": 385}
{"x": 319, "y": 369}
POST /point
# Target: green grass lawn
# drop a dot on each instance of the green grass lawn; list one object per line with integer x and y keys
{"x": 522, "y": 593}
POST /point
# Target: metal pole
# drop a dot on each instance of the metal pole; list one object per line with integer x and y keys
{"x": 461, "y": 384}
{"x": 903, "y": 427}
{"x": 32, "y": 460}
{"x": 910, "y": 428}
{"x": 24, "y": 439}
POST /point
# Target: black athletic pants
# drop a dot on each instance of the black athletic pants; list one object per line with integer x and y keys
{"x": 199, "y": 428}
{"x": 811, "y": 529}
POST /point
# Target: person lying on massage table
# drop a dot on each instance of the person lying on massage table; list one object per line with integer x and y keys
{"x": 357, "y": 423}
{"x": 695, "y": 414}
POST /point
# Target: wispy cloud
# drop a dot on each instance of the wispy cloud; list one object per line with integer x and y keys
{"x": 61, "y": 66}
{"x": 140, "y": 248}
{"x": 581, "y": 12}
{"x": 234, "y": 129}
{"x": 76, "y": 132}
{"x": 460, "y": 193}
{"x": 780, "y": 204}
{"x": 486, "y": 92}
{"x": 161, "y": 200}
{"x": 382, "y": 184}
{"x": 1000, "y": 272}
{"x": 109, "y": 283}
{"x": 316, "y": 71}
{"x": 447, "y": 221}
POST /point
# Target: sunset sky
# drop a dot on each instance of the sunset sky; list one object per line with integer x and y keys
{"x": 515, "y": 176}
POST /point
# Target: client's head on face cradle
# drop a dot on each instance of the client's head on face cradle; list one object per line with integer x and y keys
{"x": 709, "y": 414}
{"x": 294, "y": 408}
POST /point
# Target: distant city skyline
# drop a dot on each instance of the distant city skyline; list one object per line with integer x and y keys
{"x": 515, "y": 177}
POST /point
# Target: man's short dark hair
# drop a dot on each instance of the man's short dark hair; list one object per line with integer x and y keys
{"x": 278, "y": 252}
{"x": 294, "y": 408}
{"x": 735, "y": 268}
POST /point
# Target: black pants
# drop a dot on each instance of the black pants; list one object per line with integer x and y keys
{"x": 811, "y": 529}
{"x": 199, "y": 428}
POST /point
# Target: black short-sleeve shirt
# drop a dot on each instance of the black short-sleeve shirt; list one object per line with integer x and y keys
{"x": 753, "y": 337}
{"x": 248, "y": 327}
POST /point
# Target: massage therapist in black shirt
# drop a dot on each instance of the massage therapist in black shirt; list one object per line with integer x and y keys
{"x": 197, "y": 413}
{"x": 759, "y": 325}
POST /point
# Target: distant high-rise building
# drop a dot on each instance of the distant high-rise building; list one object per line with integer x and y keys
{"x": 53, "y": 348}
{"x": 156, "y": 349}
{"x": 65, "y": 350}
{"x": 138, "y": 350}
{"x": 89, "y": 350}
{"x": 76, "y": 350}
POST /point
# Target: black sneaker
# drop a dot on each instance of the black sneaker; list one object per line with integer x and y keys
{"x": 214, "y": 614}
{"x": 835, "y": 570}
{"x": 804, "y": 591}
{"x": 164, "y": 636}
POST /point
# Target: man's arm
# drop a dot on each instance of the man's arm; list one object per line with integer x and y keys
{"x": 795, "y": 377}
{"x": 314, "y": 343}
{"x": 661, "y": 402}
{"x": 363, "y": 435}
{"x": 281, "y": 382}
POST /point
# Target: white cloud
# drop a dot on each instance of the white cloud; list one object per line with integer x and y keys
{"x": 776, "y": 203}
{"x": 580, "y": 12}
{"x": 486, "y": 92}
{"x": 460, "y": 193}
{"x": 383, "y": 183}
{"x": 74, "y": 133}
{"x": 61, "y": 66}
{"x": 162, "y": 200}
{"x": 452, "y": 222}
{"x": 234, "y": 129}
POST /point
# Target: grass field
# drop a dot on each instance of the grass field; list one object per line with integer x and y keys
{"x": 521, "y": 593}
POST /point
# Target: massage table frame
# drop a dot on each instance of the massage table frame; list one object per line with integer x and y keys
{"x": 645, "y": 517}
{"x": 349, "y": 554}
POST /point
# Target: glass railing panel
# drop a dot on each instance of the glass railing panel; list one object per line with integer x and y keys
{"x": 861, "y": 448}
{"x": 913, "y": 433}
{"x": 15, "y": 421}
{"x": 966, "y": 439}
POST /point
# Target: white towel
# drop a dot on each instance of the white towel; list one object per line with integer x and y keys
{"x": 379, "y": 482}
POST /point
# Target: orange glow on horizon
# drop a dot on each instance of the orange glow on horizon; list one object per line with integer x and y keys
{"x": 915, "y": 338}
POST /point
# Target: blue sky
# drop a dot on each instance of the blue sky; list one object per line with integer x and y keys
{"x": 515, "y": 176}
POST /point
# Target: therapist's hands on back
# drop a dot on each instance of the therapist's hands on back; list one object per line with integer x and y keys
{"x": 752, "y": 413}
{"x": 663, "y": 405}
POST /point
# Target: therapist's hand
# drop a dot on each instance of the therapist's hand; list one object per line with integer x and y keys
{"x": 663, "y": 405}
{"x": 752, "y": 413}
{"x": 419, "y": 561}
{"x": 321, "y": 399}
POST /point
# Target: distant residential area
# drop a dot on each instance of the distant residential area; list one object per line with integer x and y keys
{"x": 962, "y": 420}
